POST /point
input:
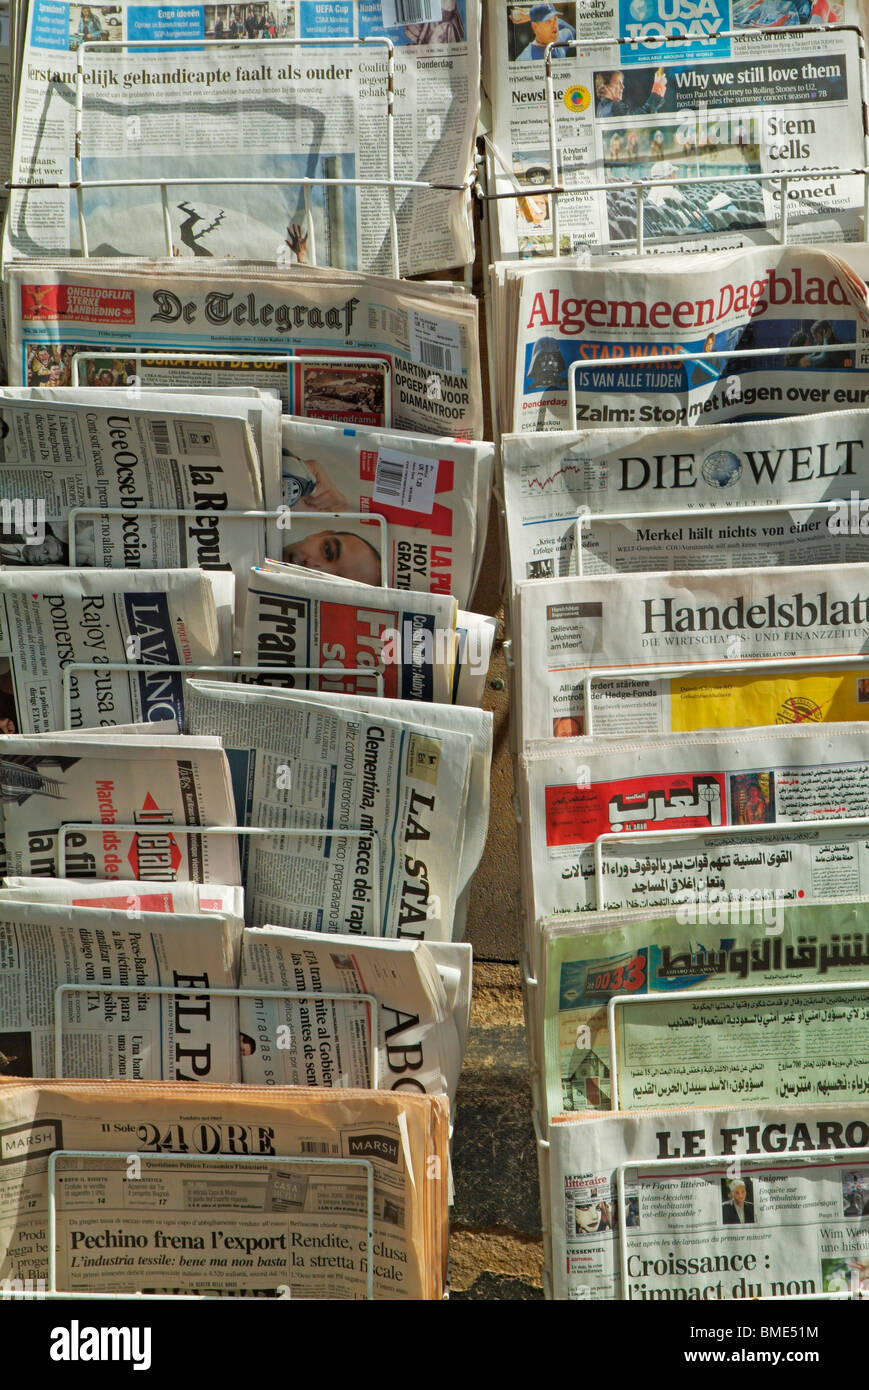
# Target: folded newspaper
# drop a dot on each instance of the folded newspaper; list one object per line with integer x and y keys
{"x": 47, "y": 783}
{"x": 770, "y": 1172}
{"x": 424, "y": 335}
{"x": 558, "y": 487}
{"x": 286, "y": 1212}
{"x": 413, "y": 1042}
{"x": 133, "y": 896}
{"x": 274, "y": 110}
{"x": 188, "y": 1036}
{"x": 399, "y": 788}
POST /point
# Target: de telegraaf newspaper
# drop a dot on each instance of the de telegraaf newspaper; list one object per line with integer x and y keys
{"x": 131, "y": 895}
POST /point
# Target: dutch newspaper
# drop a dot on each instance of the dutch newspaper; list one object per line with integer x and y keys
{"x": 574, "y": 792}
{"x": 258, "y": 1225}
{"x": 433, "y": 495}
{"x": 424, "y": 337}
{"x": 753, "y": 1049}
{"x": 275, "y": 109}
{"x": 183, "y": 1037}
{"x": 414, "y": 1042}
{"x": 569, "y": 496}
{"x": 131, "y": 895}
{"x": 799, "y": 1218}
{"x": 50, "y": 782}
{"x": 573, "y": 628}
{"x": 296, "y": 618}
{"x": 707, "y": 119}
{"x": 799, "y": 310}
{"x": 55, "y": 619}
{"x": 402, "y": 787}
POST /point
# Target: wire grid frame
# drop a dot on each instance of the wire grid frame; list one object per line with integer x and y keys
{"x": 80, "y": 185}
{"x": 641, "y": 187}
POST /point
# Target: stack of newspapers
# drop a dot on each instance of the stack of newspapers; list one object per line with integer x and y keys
{"x": 681, "y": 392}
{"x": 244, "y": 772}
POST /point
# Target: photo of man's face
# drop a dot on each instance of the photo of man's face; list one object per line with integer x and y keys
{"x": 336, "y": 552}
{"x": 546, "y": 30}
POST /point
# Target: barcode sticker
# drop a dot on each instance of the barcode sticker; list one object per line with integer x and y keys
{"x": 401, "y": 480}
{"x": 435, "y": 342}
{"x": 160, "y": 436}
{"x": 397, "y": 12}
{"x": 311, "y": 1146}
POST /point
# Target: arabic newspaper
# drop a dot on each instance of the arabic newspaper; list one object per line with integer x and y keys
{"x": 315, "y": 1041}
{"x": 425, "y": 334}
{"x": 552, "y": 480}
{"x": 570, "y": 628}
{"x": 686, "y": 1051}
{"x": 131, "y": 895}
{"x": 258, "y": 1226}
{"x": 308, "y": 767}
{"x": 49, "y": 782}
{"x": 184, "y": 1037}
{"x": 270, "y": 107}
{"x": 760, "y": 298}
{"x": 793, "y": 1225}
{"x": 573, "y": 792}
{"x": 704, "y": 118}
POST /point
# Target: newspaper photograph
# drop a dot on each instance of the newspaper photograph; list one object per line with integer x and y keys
{"x": 784, "y": 297}
{"x": 800, "y": 1223}
{"x": 51, "y": 619}
{"x": 790, "y": 1048}
{"x": 426, "y": 335}
{"x": 306, "y": 767}
{"x": 288, "y": 1219}
{"x": 273, "y": 109}
{"x": 419, "y": 988}
{"x": 570, "y": 628}
{"x": 46, "y": 783}
{"x": 557, "y": 485}
{"x": 147, "y": 1037}
{"x": 705, "y": 119}
{"x": 574, "y": 792}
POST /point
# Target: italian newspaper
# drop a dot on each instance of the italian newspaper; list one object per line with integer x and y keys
{"x": 799, "y": 1216}
{"x": 572, "y": 628}
{"x": 703, "y": 117}
{"x": 306, "y": 98}
{"x": 424, "y": 335}
{"x": 182, "y": 1037}
{"x": 309, "y": 768}
{"x": 288, "y": 1218}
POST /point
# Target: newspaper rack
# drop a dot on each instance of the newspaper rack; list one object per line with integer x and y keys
{"x": 337, "y": 672}
{"x": 79, "y": 184}
{"x": 657, "y": 1165}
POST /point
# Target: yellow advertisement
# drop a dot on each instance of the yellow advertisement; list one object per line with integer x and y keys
{"x": 735, "y": 702}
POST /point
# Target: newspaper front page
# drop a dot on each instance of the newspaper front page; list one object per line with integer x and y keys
{"x": 46, "y": 783}
{"x": 183, "y": 1037}
{"x": 257, "y": 1226}
{"x": 704, "y": 117}
{"x": 557, "y": 485}
{"x": 572, "y": 627}
{"x": 755, "y": 1049}
{"x": 310, "y": 768}
{"x": 574, "y": 791}
{"x": 792, "y": 1228}
{"x": 426, "y": 335}
{"x": 272, "y": 105}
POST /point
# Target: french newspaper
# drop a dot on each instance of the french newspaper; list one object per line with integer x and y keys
{"x": 288, "y": 1218}
{"x": 705, "y": 118}
{"x": 132, "y": 895}
{"x": 274, "y": 108}
{"x": 799, "y": 1218}
{"x": 753, "y": 1049}
{"x": 49, "y": 782}
{"x": 557, "y": 485}
{"x": 183, "y": 1037}
{"x": 306, "y": 767}
{"x": 800, "y": 310}
{"x": 424, "y": 335}
{"x": 571, "y": 628}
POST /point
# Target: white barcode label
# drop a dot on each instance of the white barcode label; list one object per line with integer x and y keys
{"x": 160, "y": 436}
{"x": 435, "y": 342}
{"x": 402, "y": 480}
{"x": 396, "y": 12}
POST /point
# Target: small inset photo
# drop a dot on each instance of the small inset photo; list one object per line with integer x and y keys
{"x": 16, "y": 1054}
{"x": 737, "y": 1201}
{"x": 855, "y": 1193}
{"x": 91, "y": 24}
{"x": 752, "y": 798}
